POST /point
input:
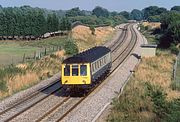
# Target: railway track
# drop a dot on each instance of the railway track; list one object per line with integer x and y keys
{"x": 55, "y": 90}
{"x": 60, "y": 113}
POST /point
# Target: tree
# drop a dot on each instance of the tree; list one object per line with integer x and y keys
{"x": 65, "y": 24}
{"x": 170, "y": 24}
{"x": 99, "y": 11}
{"x": 125, "y": 14}
{"x": 70, "y": 47}
{"x": 136, "y": 14}
{"x": 74, "y": 12}
{"x": 114, "y": 13}
{"x": 155, "y": 18}
{"x": 152, "y": 11}
{"x": 175, "y": 8}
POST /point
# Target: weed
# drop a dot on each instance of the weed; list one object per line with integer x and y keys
{"x": 3, "y": 86}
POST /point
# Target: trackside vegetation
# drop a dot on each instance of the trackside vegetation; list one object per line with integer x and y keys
{"x": 148, "y": 97}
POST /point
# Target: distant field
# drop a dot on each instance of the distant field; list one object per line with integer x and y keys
{"x": 11, "y": 52}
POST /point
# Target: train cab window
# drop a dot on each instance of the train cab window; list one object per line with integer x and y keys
{"x": 67, "y": 70}
{"x": 74, "y": 70}
{"x": 83, "y": 70}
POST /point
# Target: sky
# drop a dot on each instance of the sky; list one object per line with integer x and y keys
{"x": 111, "y": 5}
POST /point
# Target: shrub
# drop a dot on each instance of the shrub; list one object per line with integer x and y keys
{"x": 70, "y": 47}
{"x": 3, "y": 86}
{"x": 174, "y": 49}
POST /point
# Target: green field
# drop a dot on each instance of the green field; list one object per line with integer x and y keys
{"x": 12, "y": 52}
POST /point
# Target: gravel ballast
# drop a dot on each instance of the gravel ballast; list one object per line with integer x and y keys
{"x": 90, "y": 107}
{"x": 4, "y": 104}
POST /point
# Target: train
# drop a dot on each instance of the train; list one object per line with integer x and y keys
{"x": 85, "y": 68}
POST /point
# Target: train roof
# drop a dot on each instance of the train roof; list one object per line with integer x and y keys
{"x": 88, "y": 56}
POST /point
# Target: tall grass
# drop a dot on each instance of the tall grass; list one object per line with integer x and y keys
{"x": 148, "y": 95}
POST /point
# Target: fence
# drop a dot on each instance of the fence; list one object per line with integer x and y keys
{"x": 40, "y": 53}
{"x": 176, "y": 73}
{"x": 28, "y": 57}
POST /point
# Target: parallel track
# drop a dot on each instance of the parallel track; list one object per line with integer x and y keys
{"x": 123, "y": 56}
{"x": 121, "y": 39}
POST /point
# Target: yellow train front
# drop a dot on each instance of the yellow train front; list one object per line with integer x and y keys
{"x": 86, "y": 67}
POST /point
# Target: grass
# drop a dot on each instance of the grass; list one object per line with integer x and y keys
{"x": 12, "y": 52}
{"x": 22, "y": 76}
{"x": 49, "y": 42}
{"x": 148, "y": 95}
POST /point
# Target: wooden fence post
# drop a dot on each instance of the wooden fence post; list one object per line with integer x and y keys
{"x": 24, "y": 58}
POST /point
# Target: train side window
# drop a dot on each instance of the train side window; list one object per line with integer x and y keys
{"x": 101, "y": 62}
{"x": 98, "y": 64}
{"x": 74, "y": 70}
{"x": 93, "y": 67}
{"x": 67, "y": 70}
{"x": 105, "y": 59}
{"x": 83, "y": 70}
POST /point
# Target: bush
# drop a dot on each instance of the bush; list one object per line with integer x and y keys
{"x": 3, "y": 86}
{"x": 92, "y": 30}
{"x": 174, "y": 49}
{"x": 70, "y": 47}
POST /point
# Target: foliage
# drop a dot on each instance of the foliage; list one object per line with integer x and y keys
{"x": 70, "y": 47}
{"x": 26, "y": 21}
{"x": 155, "y": 18}
{"x": 152, "y": 11}
{"x": 125, "y": 14}
{"x": 175, "y": 8}
{"x": 74, "y": 12}
{"x": 174, "y": 49}
{"x": 92, "y": 30}
{"x": 170, "y": 24}
{"x": 136, "y": 14}
{"x": 3, "y": 86}
{"x": 99, "y": 11}
{"x": 158, "y": 98}
{"x": 65, "y": 24}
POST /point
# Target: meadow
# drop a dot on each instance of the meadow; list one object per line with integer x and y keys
{"x": 12, "y": 52}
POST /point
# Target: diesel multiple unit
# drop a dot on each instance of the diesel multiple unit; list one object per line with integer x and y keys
{"x": 86, "y": 67}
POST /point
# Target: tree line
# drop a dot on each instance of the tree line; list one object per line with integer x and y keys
{"x": 28, "y": 21}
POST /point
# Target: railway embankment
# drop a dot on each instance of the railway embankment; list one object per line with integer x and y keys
{"x": 151, "y": 94}
{"x": 20, "y": 76}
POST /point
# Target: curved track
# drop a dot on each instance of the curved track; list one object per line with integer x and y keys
{"x": 52, "y": 89}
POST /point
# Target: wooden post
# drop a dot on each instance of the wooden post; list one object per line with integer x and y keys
{"x": 24, "y": 58}
{"x": 45, "y": 51}
{"x": 34, "y": 55}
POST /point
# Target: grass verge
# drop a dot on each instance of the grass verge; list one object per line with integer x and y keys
{"x": 148, "y": 95}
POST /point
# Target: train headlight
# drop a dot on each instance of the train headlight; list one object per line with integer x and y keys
{"x": 84, "y": 81}
{"x": 66, "y": 81}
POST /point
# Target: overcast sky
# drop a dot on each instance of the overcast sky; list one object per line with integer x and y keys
{"x": 111, "y": 5}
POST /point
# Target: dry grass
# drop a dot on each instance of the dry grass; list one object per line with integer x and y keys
{"x": 134, "y": 103}
{"x": 85, "y": 39}
{"x": 34, "y": 72}
{"x": 19, "y": 82}
{"x": 158, "y": 71}
{"x": 152, "y": 24}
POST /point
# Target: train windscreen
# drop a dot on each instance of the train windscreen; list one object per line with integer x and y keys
{"x": 83, "y": 70}
{"x": 74, "y": 70}
{"x": 67, "y": 70}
